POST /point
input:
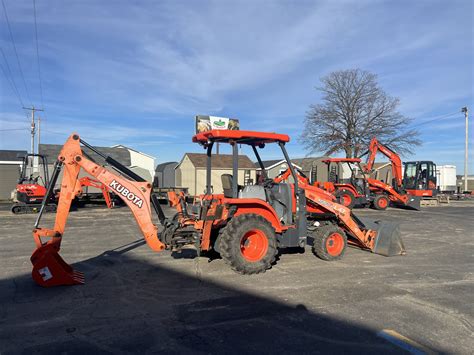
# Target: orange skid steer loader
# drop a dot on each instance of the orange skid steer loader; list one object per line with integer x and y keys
{"x": 245, "y": 225}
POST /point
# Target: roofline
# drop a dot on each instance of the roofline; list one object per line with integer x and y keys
{"x": 382, "y": 166}
{"x": 17, "y": 162}
{"x": 342, "y": 160}
{"x": 278, "y": 163}
{"x": 185, "y": 154}
{"x": 136, "y": 151}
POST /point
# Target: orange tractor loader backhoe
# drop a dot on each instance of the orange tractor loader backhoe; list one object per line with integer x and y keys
{"x": 246, "y": 225}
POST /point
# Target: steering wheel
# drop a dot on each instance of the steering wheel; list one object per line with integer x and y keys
{"x": 268, "y": 183}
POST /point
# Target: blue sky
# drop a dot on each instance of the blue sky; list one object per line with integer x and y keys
{"x": 136, "y": 72}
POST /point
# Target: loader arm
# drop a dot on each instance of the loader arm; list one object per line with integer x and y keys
{"x": 48, "y": 267}
{"x": 366, "y": 238}
{"x": 374, "y": 147}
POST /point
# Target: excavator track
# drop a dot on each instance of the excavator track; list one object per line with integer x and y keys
{"x": 19, "y": 208}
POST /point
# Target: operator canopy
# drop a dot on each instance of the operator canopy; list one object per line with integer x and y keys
{"x": 240, "y": 137}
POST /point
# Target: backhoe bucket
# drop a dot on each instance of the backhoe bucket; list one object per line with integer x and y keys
{"x": 388, "y": 241}
{"x": 49, "y": 269}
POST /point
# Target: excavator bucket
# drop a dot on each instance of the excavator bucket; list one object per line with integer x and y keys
{"x": 49, "y": 269}
{"x": 388, "y": 241}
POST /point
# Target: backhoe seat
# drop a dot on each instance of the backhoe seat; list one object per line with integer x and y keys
{"x": 227, "y": 180}
{"x": 253, "y": 191}
{"x": 281, "y": 201}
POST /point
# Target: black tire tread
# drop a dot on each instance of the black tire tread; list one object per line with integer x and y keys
{"x": 319, "y": 242}
{"x": 227, "y": 237}
{"x": 376, "y": 199}
{"x": 347, "y": 192}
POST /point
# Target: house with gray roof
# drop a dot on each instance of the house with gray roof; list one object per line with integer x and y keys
{"x": 191, "y": 172}
{"x": 274, "y": 168}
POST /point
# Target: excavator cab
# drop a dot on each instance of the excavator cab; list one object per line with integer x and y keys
{"x": 419, "y": 178}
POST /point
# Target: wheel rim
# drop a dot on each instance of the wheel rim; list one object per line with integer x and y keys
{"x": 346, "y": 199}
{"x": 254, "y": 245}
{"x": 335, "y": 244}
{"x": 383, "y": 203}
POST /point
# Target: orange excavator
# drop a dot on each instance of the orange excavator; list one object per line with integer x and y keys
{"x": 31, "y": 188}
{"x": 405, "y": 189}
{"x": 246, "y": 225}
{"x": 361, "y": 189}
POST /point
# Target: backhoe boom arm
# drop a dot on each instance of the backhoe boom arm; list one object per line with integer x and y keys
{"x": 135, "y": 194}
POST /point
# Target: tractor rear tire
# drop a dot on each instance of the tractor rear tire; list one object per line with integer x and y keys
{"x": 329, "y": 242}
{"x": 345, "y": 198}
{"x": 248, "y": 244}
{"x": 381, "y": 202}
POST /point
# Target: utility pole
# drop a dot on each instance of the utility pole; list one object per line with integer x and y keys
{"x": 39, "y": 133}
{"x": 466, "y": 153}
{"x": 33, "y": 129}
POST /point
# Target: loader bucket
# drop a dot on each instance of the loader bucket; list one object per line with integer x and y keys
{"x": 414, "y": 202}
{"x": 49, "y": 269}
{"x": 388, "y": 241}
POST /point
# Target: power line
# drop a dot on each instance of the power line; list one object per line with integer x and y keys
{"x": 14, "y": 48}
{"x": 10, "y": 79}
{"x": 37, "y": 55}
{"x": 435, "y": 119}
{"x": 14, "y": 129}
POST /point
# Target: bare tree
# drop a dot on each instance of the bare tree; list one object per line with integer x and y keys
{"x": 353, "y": 110}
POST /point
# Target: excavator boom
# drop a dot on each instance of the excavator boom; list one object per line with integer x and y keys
{"x": 374, "y": 147}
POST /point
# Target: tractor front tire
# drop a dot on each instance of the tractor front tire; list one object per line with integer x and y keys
{"x": 329, "y": 242}
{"x": 248, "y": 244}
{"x": 345, "y": 198}
{"x": 381, "y": 202}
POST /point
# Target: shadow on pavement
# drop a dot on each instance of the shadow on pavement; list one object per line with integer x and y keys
{"x": 128, "y": 305}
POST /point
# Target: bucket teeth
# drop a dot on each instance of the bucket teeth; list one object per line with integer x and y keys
{"x": 49, "y": 269}
{"x": 78, "y": 277}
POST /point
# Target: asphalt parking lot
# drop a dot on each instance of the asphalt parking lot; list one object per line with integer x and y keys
{"x": 135, "y": 300}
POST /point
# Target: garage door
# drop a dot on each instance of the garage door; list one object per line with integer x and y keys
{"x": 9, "y": 174}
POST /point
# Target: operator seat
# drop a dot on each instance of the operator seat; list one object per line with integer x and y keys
{"x": 227, "y": 180}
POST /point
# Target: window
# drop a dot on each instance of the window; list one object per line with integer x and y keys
{"x": 247, "y": 178}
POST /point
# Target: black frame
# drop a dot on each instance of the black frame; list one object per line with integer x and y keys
{"x": 298, "y": 193}
{"x": 45, "y": 167}
{"x": 417, "y": 174}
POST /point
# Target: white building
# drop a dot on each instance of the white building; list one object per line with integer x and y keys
{"x": 141, "y": 163}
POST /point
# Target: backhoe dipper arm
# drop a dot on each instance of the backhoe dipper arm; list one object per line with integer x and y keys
{"x": 135, "y": 194}
{"x": 374, "y": 147}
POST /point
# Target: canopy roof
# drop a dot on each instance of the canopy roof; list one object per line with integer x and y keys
{"x": 342, "y": 160}
{"x": 241, "y": 137}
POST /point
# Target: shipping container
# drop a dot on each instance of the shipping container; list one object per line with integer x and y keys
{"x": 446, "y": 178}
